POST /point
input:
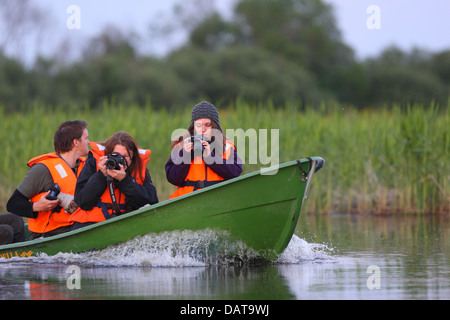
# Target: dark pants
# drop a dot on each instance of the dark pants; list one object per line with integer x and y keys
{"x": 11, "y": 229}
{"x": 78, "y": 225}
{"x": 34, "y": 235}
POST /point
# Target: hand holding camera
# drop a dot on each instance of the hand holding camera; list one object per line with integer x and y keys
{"x": 66, "y": 200}
{"x": 114, "y": 160}
{"x": 198, "y": 144}
{"x": 113, "y": 165}
{"x": 54, "y": 191}
{"x": 47, "y": 202}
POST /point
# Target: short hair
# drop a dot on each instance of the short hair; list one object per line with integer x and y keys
{"x": 66, "y": 133}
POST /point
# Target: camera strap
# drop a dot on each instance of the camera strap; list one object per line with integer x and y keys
{"x": 115, "y": 206}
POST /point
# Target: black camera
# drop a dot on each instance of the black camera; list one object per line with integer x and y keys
{"x": 198, "y": 146}
{"x": 54, "y": 191}
{"x": 113, "y": 161}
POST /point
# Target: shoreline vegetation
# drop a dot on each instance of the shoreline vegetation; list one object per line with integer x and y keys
{"x": 385, "y": 161}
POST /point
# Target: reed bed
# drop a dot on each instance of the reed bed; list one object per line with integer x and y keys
{"x": 377, "y": 161}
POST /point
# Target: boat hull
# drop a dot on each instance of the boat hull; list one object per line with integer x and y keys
{"x": 261, "y": 210}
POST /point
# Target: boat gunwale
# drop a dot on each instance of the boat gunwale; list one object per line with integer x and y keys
{"x": 37, "y": 242}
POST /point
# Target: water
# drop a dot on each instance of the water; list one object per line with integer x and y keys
{"x": 330, "y": 257}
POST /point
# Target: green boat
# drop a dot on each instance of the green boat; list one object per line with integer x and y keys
{"x": 260, "y": 209}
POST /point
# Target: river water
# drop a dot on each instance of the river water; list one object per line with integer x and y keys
{"x": 330, "y": 257}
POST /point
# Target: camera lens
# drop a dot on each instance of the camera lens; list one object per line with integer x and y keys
{"x": 112, "y": 164}
{"x": 113, "y": 161}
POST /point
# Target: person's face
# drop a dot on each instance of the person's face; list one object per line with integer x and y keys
{"x": 120, "y": 149}
{"x": 82, "y": 144}
{"x": 203, "y": 126}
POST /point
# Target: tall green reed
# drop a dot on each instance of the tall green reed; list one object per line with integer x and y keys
{"x": 377, "y": 161}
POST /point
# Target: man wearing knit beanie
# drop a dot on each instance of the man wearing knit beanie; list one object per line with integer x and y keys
{"x": 205, "y": 110}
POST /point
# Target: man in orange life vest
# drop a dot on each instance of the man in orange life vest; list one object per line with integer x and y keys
{"x": 51, "y": 217}
{"x": 203, "y": 156}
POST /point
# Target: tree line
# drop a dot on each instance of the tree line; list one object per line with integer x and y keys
{"x": 280, "y": 51}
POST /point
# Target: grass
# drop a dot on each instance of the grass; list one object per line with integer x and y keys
{"x": 378, "y": 161}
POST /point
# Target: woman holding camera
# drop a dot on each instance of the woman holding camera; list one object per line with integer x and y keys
{"x": 114, "y": 181}
{"x": 203, "y": 156}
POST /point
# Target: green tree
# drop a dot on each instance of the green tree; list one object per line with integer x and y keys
{"x": 405, "y": 78}
{"x": 14, "y": 84}
{"x": 441, "y": 66}
{"x": 301, "y": 34}
{"x": 215, "y": 34}
{"x": 302, "y": 31}
{"x": 252, "y": 74}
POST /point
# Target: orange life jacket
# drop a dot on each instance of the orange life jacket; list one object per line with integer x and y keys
{"x": 199, "y": 175}
{"x": 104, "y": 208}
{"x": 63, "y": 175}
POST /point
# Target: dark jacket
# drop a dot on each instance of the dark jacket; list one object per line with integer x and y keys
{"x": 91, "y": 184}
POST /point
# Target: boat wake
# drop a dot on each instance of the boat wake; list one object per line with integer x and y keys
{"x": 182, "y": 249}
{"x": 299, "y": 251}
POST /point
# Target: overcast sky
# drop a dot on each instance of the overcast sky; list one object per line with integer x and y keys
{"x": 405, "y": 23}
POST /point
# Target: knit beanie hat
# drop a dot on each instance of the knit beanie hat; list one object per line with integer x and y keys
{"x": 205, "y": 110}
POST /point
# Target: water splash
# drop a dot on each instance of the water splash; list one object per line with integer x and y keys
{"x": 167, "y": 249}
{"x": 184, "y": 248}
{"x": 299, "y": 250}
